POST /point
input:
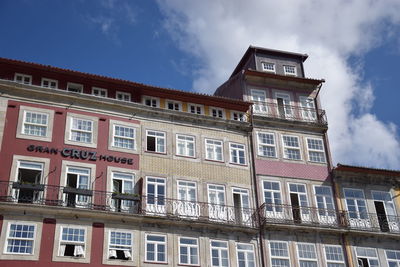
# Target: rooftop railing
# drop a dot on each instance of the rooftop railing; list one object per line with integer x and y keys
{"x": 288, "y": 112}
{"x": 80, "y": 198}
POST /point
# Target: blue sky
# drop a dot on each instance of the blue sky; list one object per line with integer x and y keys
{"x": 195, "y": 45}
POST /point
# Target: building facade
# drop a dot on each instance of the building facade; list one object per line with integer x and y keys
{"x": 102, "y": 171}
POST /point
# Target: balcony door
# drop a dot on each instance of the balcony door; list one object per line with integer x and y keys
{"x": 217, "y": 209}
{"x": 326, "y": 208}
{"x": 77, "y": 178}
{"x": 29, "y": 173}
{"x": 356, "y": 208}
{"x": 156, "y": 193}
{"x": 385, "y": 211}
{"x": 241, "y": 206}
{"x": 187, "y": 205}
{"x": 283, "y": 106}
{"x": 273, "y": 200}
{"x": 122, "y": 184}
{"x": 308, "y": 111}
{"x": 299, "y": 202}
{"x": 260, "y": 101}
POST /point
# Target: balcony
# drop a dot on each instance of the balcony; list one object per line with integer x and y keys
{"x": 127, "y": 204}
{"x": 325, "y": 218}
{"x": 290, "y": 113}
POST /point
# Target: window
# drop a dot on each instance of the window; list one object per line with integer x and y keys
{"x": 124, "y": 137}
{"x": 393, "y": 258}
{"x": 279, "y": 254}
{"x": 237, "y": 154}
{"x": 217, "y": 113}
{"x": 214, "y": 150}
{"x": 75, "y": 87}
{"x": 241, "y": 205}
{"x": 123, "y": 96}
{"x": 151, "y": 101}
{"x": 316, "y": 152}
{"x": 78, "y": 178}
{"x": 238, "y": 116}
{"x": 308, "y": 111}
{"x": 155, "y": 141}
{"x": 72, "y": 241}
{"x": 81, "y": 130}
{"x": 174, "y": 105}
{"x": 219, "y": 254}
{"x": 29, "y": 172}
{"x": 307, "y": 255}
{"x": 367, "y": 257}
{"x": 355, "y": 202}
{"x": 385, "y": 211}
{"x": 156, "y": 248}
{"x": 187, "y": 191}
{"x": 188, "y": 251}
{"x": 120, "y": 245}
{"x": 23, "y": 78}
{"x": 266, "y": 145}
{"x": 185, "y": 145}
{"x": 291, "y": 147}
{"x": 324, "y": 199}
{"x": 289, "y": 70}
{"x": 245, "y": 255}
{"x": 196, "y": 109}
{"x": 267, "y": 66}
{"x": 99, "y": 92}
{"x": 260, "y": 100}
{"x": 272, "y": 198}
{"x": 283, "y": 107}
{"x": 20, "y": 238}
{"x": 299, "y": 202}
{"x": 334, "y": 256}
{"x": 156, "y": 193}
{"x": 35, "y": 123}
{"x": 216, "y": 202}
{"x": 122, "y": 183}
{"x": 48, "y": 83}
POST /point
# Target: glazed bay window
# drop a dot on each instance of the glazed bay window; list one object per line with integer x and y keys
{"x": 267, "y": 66}
{"x": 393, "y": 258}
{"x": 20, "y": 238}
{"x": 307, "y": 255}
{"x": 334, "y": 256}
{"x": 219, "y": 254}
{"x": 35, "y": 123}
{"x": 316, "y": 152}
{"x": 185, "y": 145}
{"x": 123, "y": 96}
{"x": 237, "y": 154}
{"x": 72, "y": 242}
{"x": 188, "y": 251}
{"x": 266, "y": 145}
{"x": 214, "y": 150}
{"x": 245, "y": 255}
{"x": 81, "y": 130}
{"x": 101, "y": 92}
{"x": 155, "y": 141}
{"x": 279, "y": 254}
{"x": 120, "y": 245}
{"x": 291, "y": 147}
{"x": 289, "y": 70}
{"x": 23, "y": 78}
{"x": 156, "y": 246}
{"x": 123, "y": 137}
{"x": 196, "y": 109}
{"x": 48, "y": 83}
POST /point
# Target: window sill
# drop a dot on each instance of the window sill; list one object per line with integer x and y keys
{"x": 156, "y": 262}
{"x": 238, "y": 164}
{"x": 187, "y": 157}
{"x": 216, "y": 161}
{"x": 155, "y": 152}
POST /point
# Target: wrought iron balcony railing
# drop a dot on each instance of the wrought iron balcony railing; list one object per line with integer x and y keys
{"x": 288, "y": 112}
{"x": 47, "y": 195}
{"x": 308, "y": 216}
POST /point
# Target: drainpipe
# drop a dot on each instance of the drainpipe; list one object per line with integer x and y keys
{"x": 255, "y": 182}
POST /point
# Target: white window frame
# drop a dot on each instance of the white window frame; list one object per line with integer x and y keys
{"x": 49, "y": 81}
{"x": 217, "y": 111}
{"x": 397, "y": 254}
{"x": 276, "y": 209}
{"x": 264, "y": 66}
{"x": 123, "y": 96}
{"x": 220, "y": 250}
{"x": 100, "y": 92}
{"x": 213, "y": 146}
{"x": 319, "y": 151}
{"x": 334, "y": 262}
{"x": 75, "y": 243}
{"x": 154, "y": 101}
{"x": 307, "y": 105}
{"x": 68, "y": 131}
{"x": 237, "y": 150}
{"x": 174, "y": 104}
{"x": 78, "y": 88}
{"x": 128, "y": 138}
{"x": 286, "y": 72}
{"x": 259, "y": 97}
{"x": 40, "y": 125}
{"x": 129, "y": 248}
{"x": 238, "y": 116}
{"x": 356, "y": 204}
{"x": 287, "y": 258}
{"x": 186, "y": 185}
{"x": 285, "y": 154}
{"x": 32, "y": 239}
{"x": 21, "y": 123}
{"x": 186, "y": 144}
{"x": 158, "y": 207}
{"x": 266, "y": 145}
{"x": 326, "y": 214}
{"x": 23, "y": 76}
{"x": 82, "y": 131}
{"x": 189, "y": 247}
{"x": 306, "y": 259}
{"x": 123, "y": 178}
{"x": 156, "y": 245}
{"x": 196, "y": 107}
{"x": 156, "y": 138}
{"x": 367, "y": 257}
{"x": 246, "y": 252}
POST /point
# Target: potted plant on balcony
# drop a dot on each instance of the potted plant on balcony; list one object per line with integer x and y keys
{"x": 78, "y": 191}
{"x": 28, "y": 186}
{"x": 125, "y": 196}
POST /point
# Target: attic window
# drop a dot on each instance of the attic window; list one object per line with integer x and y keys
{"x": 268, "y": 66}
{"x": 290, "y": 70}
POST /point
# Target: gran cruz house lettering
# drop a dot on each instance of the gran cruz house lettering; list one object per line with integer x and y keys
{"x": 79, "y": 154}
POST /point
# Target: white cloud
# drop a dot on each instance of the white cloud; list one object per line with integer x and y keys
{"x": 217, "y": 33}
